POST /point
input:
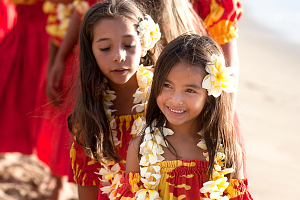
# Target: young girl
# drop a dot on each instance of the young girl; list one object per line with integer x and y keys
{"x": 188, "y": 144}
{"x": 113, "y": 85}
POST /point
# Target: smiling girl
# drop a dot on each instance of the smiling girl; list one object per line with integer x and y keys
{"x": 188, "y": 148}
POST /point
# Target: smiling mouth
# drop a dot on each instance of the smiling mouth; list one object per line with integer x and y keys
{"x": 176, "y": 111}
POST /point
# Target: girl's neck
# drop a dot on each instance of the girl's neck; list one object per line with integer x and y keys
{"x": 124, "y": 100}
{"x": 130, "y": 85}
{"x": 186, "y": 130}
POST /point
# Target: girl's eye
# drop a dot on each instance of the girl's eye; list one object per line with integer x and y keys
{"x": 105, "y": 49}
{"x": 129, "y": 46}
{"x": 190, "y": 91}
{"x": 166, "y": 85}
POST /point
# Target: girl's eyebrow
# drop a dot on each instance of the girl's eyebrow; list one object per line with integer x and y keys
{"x": 196, "y": 86}
{"x": 125, "y": 36}
{"x": 102, "y": 39}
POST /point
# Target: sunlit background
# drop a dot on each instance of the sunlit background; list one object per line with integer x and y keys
{"x": 269, "y": 96}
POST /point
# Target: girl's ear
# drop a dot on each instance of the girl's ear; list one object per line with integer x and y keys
{"x": 144, "y": 52}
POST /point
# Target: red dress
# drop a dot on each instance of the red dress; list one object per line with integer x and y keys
{"x": 23, "y": 52}
{"x": 84, "y": 167}
{"x": 54, "y": 142}
{"x": 180, "y": 179}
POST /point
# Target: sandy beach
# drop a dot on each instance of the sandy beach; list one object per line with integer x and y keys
{"x": 269, "y": 109}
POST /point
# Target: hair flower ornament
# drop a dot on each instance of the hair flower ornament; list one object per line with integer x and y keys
{"x": 219, "y": 77}
{"x": 149, "y": 32}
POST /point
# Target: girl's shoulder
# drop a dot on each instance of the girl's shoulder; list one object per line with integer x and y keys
{"x": 132, "y": 160}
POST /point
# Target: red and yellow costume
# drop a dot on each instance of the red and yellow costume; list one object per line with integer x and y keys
{"x": 220, "y": 17}
{"x": 180, "y": 179}
{"x": 217, "y": 19}
{"x": 53, "y": 144}
{"x": 84, "y": 167}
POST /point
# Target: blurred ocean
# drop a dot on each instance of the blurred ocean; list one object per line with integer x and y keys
{"x": 280, "y": 17}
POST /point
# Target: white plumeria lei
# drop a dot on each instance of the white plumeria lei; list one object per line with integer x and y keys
{"x": 215, "y": 187}
{"x": 64, "y": 12}
{"x": 151, "y": 151}
{"x": 111, "y": 173}
{"x": 149, "y": 32}
{"x": 219, "y": 77}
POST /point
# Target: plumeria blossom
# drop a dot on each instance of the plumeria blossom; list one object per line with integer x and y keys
{"x": 219, "y": 77}
{"x": 138, "y": 125}
{"x": 113, "y": 186}
{"x": 146, "y": 160}
{"x": 144, "y": 77}
{"x": 214, "y": 188}
{"x": 64, "y": 12}
{"x": 149, "y": 33}
{"x": 147, "y": 194}
{"x": 140, "y": 107}
{"x": 111, "y": 172}
{"x": 202, "y": 144}
{"x": 81, "y": 6}
{"x": 108, "y": 174}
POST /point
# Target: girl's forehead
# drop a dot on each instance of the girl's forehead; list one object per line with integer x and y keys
{"x": 183, "y": 70}
{"x": 111, "y": 22}
{"x": 114, "y": 27}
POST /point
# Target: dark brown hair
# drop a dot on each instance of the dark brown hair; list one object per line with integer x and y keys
{"x": 216, "y": 118}
{"x": 88, "y": 120}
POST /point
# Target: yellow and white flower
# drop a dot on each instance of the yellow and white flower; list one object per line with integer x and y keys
{"x": 219, "y": 77}
{"x": 138, "y": 125}
{"x": 112, "y": 172}
{"x": 109, "y": 174}
{"x": 147, "y": 194}
{"x": 149, "y": 33}
{"x": 81, "y": 6}
{"x": 64, "y": 12}
{"x": 113, "y": 186}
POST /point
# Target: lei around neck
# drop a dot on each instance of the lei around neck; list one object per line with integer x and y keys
{"x": 149, "y": 34}
{"x": 111, "y": 172}
{"x": 218, "y": 79}
{"x": 151, "y": 151}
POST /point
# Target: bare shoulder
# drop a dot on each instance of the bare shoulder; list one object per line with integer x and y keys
{"x": 132, "y": 160}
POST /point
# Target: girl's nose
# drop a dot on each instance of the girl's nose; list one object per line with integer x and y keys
{"x": 119, "y": 55}
{"x": 176, "y": 99}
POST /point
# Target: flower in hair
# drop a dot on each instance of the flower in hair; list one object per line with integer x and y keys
{"x": 149, "y": 32}
{"x": 219, "y": 77}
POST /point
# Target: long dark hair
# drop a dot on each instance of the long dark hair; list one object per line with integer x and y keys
{"x": 216, "y": 118}
{"x": 88, "y": 120}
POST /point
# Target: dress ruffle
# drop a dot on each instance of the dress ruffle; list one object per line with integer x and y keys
{"x": 180, "y": 179}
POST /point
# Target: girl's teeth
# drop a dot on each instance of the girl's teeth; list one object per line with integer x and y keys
{"x": 177, "y": 111}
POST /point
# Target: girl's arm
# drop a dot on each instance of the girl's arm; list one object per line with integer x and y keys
{"x": 132, "y": 160}
{"x": 230, "y": 50}
{"x": 56, "y": 71}
{"x": 88, "y": 192}
{"x": 239, "y": 172}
